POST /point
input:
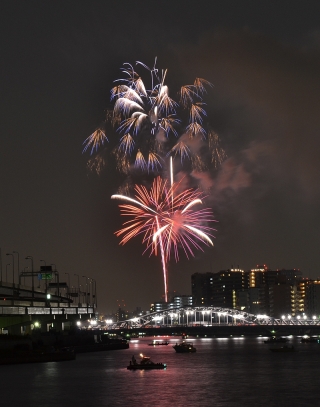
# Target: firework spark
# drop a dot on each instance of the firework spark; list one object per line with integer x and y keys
{"x": 149, "y": 124}
{"x": 167, "y": 219}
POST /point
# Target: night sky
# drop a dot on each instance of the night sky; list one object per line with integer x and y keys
{"x": 58, "y": 63}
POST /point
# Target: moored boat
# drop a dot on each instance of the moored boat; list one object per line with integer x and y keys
{"x": 145, "y": 364}
{"x": 283, "y": 349}
{"x": 310, "y": 339}
{"x": 276, "y": 339}
{"x": 184, "y": 347}
{"x": 157, "y": 343}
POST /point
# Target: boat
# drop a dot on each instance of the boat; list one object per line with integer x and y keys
{"x": 310, "y": 339}
{"x": 157, "y": 343}
{"x": 276, "y": 339}
{"x": 283, "y": 349}
{"x": 16, "y": 356}
{"x": 145, "y": 364}
{"x": 184, "y": 347}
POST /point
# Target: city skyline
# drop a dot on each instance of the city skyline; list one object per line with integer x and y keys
{"x": 59, "y": 64}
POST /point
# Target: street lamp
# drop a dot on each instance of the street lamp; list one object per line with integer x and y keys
{"x": 9, "y": 264}
{"x": 56, "y": 277}
{"x": 11, "y": 254}
{"x": 18, "y": 262}
{"x": 78, "y": 288}
{"x": 31, "y": 258}
{"x": 95, "y": 293}
{"x": 86, "y": 289}
{"x": 68, "y": 274}
{"x": 24, "y": 277}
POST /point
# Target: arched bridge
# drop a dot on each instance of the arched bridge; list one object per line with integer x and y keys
{"x": 208, "y": 316}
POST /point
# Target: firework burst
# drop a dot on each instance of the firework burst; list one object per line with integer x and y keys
{"x": 149, "y": 125}
{"x": 167, "y": 219}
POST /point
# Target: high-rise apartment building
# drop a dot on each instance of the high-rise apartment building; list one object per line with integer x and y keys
{"x": 258, "y": 291}
{"x": 217, "y": 289}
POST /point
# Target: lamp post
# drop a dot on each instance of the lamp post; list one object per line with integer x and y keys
{"x": 90, "y": 287}
{"x": 86, "y": 289}
{"x": 56, "y": 276}
{"x": 68, "y": 274}
{"x": 18, "y": 262}
{"x": 78, "y": 288}
{"x": 40, "y": 278}
{"x": 11, "y": 254}
{"x": 31, "y": 258}
{"x": 95, "y": 293}
{"x": 9, "y": 264}
{"x": 24, "y": 277}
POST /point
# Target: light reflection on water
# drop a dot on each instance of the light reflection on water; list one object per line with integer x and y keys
{"x": 223, "y": 372}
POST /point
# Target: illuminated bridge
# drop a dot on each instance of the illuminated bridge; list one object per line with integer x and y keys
{"x": 214, "y": 317}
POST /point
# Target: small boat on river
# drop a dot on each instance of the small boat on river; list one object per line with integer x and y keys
{"x": 184, "y": 347}
{"x": 284, "y": 348}
{"x": 145, "y": 364}
{"x": 157, "y": 343}
{"x": 276, "y": 339}
{"x": 310, "y": 339}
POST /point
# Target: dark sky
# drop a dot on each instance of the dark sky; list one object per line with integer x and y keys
{"x": 58, "y": 63}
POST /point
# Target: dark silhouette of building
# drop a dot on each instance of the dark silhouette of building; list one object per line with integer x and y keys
{"x": 217, "y": 289}
{"x": 258, "y": 291}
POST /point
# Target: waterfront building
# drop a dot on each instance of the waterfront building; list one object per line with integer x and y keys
{"x": 312, "y": 298}
{"x": 182, "y": 301}
{"x": 158, "y": 306}
{"x": 121, "y": 315}
{"x": 301, "y": 293}
{"x": 280, "y": 300}
{"x": 217, "y": 289}
{"x": 178, "y": 301}
{"x": 201, "y": 286}
{"x": 258, "y": 291}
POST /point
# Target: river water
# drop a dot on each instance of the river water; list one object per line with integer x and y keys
{"x": 223, "y": 372}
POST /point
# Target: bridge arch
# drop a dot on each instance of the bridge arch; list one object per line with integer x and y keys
{"x": 194, "y": 316}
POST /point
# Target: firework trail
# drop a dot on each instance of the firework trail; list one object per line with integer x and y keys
{"x": 167, "y": 220}
{"x": 149, "y": 125}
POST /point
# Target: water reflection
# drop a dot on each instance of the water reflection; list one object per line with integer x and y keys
{"x": 234, "y": 371}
